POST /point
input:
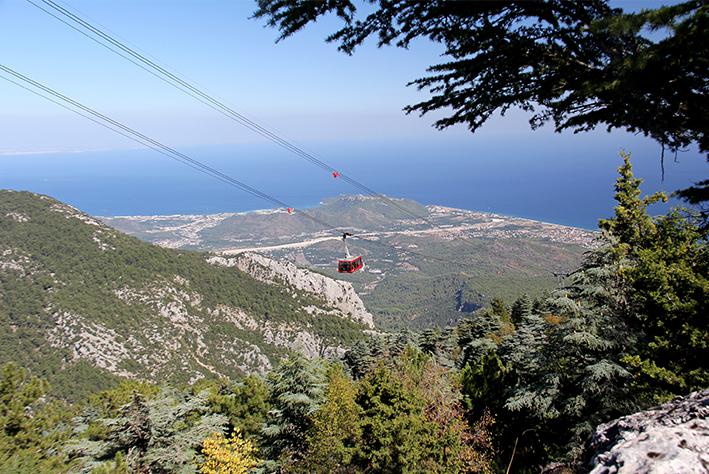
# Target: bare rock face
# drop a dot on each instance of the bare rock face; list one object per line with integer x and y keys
{"x": 671, "y": 438}
{"x": 338, "y": 294}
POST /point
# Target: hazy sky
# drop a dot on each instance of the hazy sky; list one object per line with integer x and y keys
{"x": 302, "y": 87}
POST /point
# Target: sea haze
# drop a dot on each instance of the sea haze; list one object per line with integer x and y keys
{"x": 570, "y": 184}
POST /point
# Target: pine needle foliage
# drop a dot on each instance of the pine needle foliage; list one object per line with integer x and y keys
{"x": 296, "y": 390}
{"x": 665, "y": 266}
{"x": 335, "y": 434}
{"x": 575, "y": 64}
{"x": 627, "y": 331}
{"x": 245, "y": 403}
{"x": 413, "y": 420}
{"x": 31, "y": 427}
{"x": 162, "y": 434}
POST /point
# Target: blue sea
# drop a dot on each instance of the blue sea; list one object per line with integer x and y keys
{"x": 569, "y": 182}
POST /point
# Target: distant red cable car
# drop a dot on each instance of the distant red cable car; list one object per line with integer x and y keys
{"x": 335, "y": 174}
{"x": 349, "y": 264}
{"x": 290, "y": 210}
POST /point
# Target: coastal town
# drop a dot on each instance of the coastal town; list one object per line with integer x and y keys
{"x": 217, "y": 232}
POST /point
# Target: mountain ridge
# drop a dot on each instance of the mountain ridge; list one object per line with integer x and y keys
{"x": 77, "y": 294}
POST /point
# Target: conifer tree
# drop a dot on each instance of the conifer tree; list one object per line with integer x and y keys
{"x": 632, "y": 226}
{"x": 160, "y": 434}
{"x": 484, "y": 386}
{"x": 476, "y": 335}
{"x": 377, "y": 347}
{"x": 567, "y": 363}
{"x": 670, "y": 301}
{"x": 576, "y": 64}
{"x": 413, "y": 420}
{"x": 134, "y": 433}
{"x": 500, "y": 309}
{"x": 400, "y": 341}
{"x": 358, "y": 359}
{"x": 521, "y": 309}
{"x": 540, "y": 303}
{"x": 245, "y": 403}
{"x": 335, "y": 433}
{"x": 296, "y": 389}
{"x": 430, "y": 341}
{"x": 18, "y": 392}
{"x": 31, "y": 428}
{"x": 665, "y": 267}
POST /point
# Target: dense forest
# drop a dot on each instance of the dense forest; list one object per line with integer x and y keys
{"x": 517, "y": 387}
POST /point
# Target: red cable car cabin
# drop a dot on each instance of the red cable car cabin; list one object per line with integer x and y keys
{"x": 349, "y": 265}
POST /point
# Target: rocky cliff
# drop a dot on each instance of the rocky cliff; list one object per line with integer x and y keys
{"x": 671, "y": 438}
{"x": 338, "y": 294}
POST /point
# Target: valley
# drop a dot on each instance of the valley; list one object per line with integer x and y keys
{"x": 416, "y": 274}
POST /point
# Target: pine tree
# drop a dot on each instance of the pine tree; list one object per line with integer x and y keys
{"x": 430, "y": 341}
{"x": 245, "y": 403}
{"x": 295, "y": 393}
{"x": 477, "y": 336}
{"x": 134, "y": 433}
{"x": 400, "y": 341}
{"x": 521, "y": 309}
{"x": 568, "y": 369}
{"x": 569, "y": 360}
{"x": 484, "y": 386}
{"x": 670, "y": 302}
{"x": 18, "y": 392}
{"x": 160, "y": 434}
{"x": 358, "y": 359}
{"x": 500, "y": 309}
{"x": 632, "y": 226}
{"x": 540, "y": 303}
{"x": 665, "y": 268}
{"x": 413, "y": 421}
{"x": 377, "y": 347}
{"x": 335, "y": 433}
{"x": 32, "y": 429}
{"x": 577, "y": 64}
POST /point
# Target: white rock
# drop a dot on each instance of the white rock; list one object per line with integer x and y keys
{"x": 336, "y": 293}
{"x": 671, "y": 438}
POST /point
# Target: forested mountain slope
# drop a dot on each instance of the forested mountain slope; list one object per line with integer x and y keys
{"x": 81, "y": 303}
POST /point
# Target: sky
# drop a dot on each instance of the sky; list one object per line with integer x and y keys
{"x": 301, "y": 87}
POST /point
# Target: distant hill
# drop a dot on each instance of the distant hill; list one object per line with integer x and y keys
{"x": 227, "y": 230}
{"x": 82, "y": 304}
{"x": 416, "y": 275}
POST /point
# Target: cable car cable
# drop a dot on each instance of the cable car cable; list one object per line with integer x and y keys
{"x": 212, "y": 102}
{"x": 138, "y": 137}
{"x": 174, "y": 80}
{"x": 143, "y": 139}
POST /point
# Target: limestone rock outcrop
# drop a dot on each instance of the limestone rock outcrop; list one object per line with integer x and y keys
{"x": 336, "y": 293}
{"x": 671, "y": 438}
